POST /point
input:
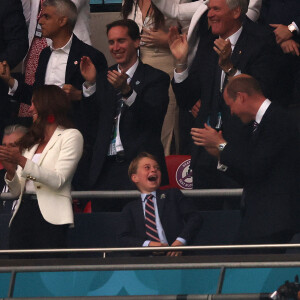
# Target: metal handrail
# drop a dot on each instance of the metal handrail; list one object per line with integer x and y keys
{"x": 152, "y": 249}
{"x": 134, "y": 193}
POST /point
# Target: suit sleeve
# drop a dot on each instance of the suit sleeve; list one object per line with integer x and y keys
{"x": 254, "y": 9}
{"x": 14, "y": 33}
{"x": 127, "y": 233}
{"x": 188, "y": 92}
{"x": 254, "y": 161}
{"x": 262, "y": 67}
{"x": 152, "y": 100}
{"x": 65, "y": 165}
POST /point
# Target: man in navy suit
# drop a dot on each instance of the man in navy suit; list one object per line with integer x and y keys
{"x": 128, "y": 110}
{"x": 167, "y": 218}
{"x": 229, "y": 44}
{"x": 264, "y": 159}
{"x": 13, "y": 47}
{"x": 58, "y": 64}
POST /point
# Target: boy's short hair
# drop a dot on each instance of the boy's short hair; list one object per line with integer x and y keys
{"x": 135, "y": 162}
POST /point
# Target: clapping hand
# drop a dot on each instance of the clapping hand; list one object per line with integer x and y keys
{"x": 179, "y": 47}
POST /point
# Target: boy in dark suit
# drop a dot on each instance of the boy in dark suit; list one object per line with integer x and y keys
{"x": 158, "y": 218}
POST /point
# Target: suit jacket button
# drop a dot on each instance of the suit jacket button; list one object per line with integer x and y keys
{"x": 28, "y": 176}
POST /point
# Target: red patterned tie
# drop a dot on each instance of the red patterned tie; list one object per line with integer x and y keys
{"x": 31, "y": 62}
{"x": 150, "y": 222}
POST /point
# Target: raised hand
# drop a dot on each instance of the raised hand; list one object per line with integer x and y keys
{"x": 88, "y": 70}
{"x": 179, "y": 47}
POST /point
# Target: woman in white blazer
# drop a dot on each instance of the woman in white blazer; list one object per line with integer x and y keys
{"x": 40, "y": 172}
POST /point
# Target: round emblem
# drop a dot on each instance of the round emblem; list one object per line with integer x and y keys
{"x": 184, "y": 176}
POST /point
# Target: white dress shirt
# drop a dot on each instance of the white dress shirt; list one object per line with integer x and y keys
{"x": 56, "y": 67}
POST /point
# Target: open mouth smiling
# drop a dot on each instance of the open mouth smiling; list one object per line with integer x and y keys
{"x": 152, "y": 177}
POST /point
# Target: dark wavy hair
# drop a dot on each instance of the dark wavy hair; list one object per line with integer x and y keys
{"x": 159, "y": 19}
{"x": 48, "y": 100}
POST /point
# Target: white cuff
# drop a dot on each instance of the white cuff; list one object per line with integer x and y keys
{"x": 179, "y": 77}
{"x": 146, "y": 243}
{"x": 183, "y": 241}
{"x": 130, "y": 100}
{"x": 88, "y": 91}
{"x": 297, "y": 28}
{"x": 11, "y": 91}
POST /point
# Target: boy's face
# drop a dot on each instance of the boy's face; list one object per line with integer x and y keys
{"x": 148, "y": 176}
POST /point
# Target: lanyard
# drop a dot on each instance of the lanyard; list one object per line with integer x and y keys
{"x": 147, "y": 14}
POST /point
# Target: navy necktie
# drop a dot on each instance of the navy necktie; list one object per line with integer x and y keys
{"x": 150, "y": 220}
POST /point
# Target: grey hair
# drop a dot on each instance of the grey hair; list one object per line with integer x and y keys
{"x": 8, "y": 130}
{"x": 65, "y": 8}
{"x": 243, "y": 4}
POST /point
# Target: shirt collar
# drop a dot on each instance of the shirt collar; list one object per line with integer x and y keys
{"x": 144, "y": 195}
{"x": 130, "y": 72}
{"x": 66, "y": 48}
{"x": 234, "y": 37}
{"x": 261, "y": 111}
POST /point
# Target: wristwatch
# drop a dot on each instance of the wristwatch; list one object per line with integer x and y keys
{"x": 292, "y": 28}
{"x": 222, "y": 146}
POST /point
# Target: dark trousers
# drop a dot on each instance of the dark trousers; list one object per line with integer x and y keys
{"x": 114, "y": 177}
{"x": 29, "y": 230}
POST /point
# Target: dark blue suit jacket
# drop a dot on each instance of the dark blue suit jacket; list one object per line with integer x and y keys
{"x": 267, "y": 165}
{"x": 253, "y": 54}
{"x": 140, "y": 124}
{"x": 177, "y": 215}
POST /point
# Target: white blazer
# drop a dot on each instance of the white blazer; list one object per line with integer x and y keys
{"x": 192, "y": 12}
{"x": 82, "y": 27}
{"x": 51, "y": 176}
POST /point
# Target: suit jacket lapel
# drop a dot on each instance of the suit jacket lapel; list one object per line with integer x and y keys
{"x": 160, "y": 201}
{"x": 73, "y": 63}
{"x": 137, "y": 79}
{"x": 51, "y": 142}
{"x": 240, "y": 47}
{"x": 42, "y": 67}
